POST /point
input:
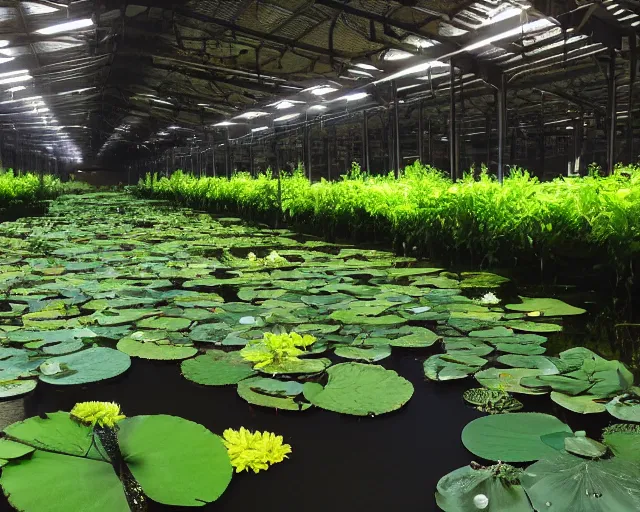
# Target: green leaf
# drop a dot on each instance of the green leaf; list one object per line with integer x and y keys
{"x": 509, "y": 379}
{"x": 272, "y": 393}
{"x": 151, "y": 350}
{"x": 584, "y": 447}
{"x": 12, "y": 388}
{"x": 566, "y": 483}
{"x": 513, "y": 437}
{"x": 217, "y": 368}
{"x": 91, "y": 365}
{"x": 361, "y": 390}
{"x": 165, "y": 323}
{"x": 624, "y": 407}
{"x": 545, "y": 307}
{"x": 12, "y": 450}
{"x": 581, "y": 404}
{"x": 177, "y": 462}
{"x": 52, "y": 482}
{"x": 372, "y": 354}
{"x": 460, "y": 490}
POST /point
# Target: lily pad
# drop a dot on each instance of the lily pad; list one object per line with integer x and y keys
{"x": 152, "y": 350}
{"x": 509, "y": 379}
{"x": 14, "y": 388}
{"x": 371, "y": 355}
{"x": 512, "y": 437}
{"x": 91, "y": 365}
{"x": 360, "y": 389}
{"x": 625, "y": 407}
{"x": 217, "y": 368}
{"x": 272, "y": 393}
{"x": 545, "y": 307}
{"x": 165, "y": 323}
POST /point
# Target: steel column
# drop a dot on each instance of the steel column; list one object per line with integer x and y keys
{"x": 227, "y": 155}
{"x": 307, "y": 149}
{"x": 430, "y": 143}
{"x": 396, "y": 130}
{"x": 502, "y": 124}
{"x": 453, "y": 164}
{"x": 612, "y": 116}
{"x": 633, "y": 70}
{"x": 420, "y": 133}
{"x": 365, "y": 140}
{"x": 578, "y": 143}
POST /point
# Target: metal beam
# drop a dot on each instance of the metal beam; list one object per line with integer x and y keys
{"x": 501, "y": 102}
{"x": 396, "y": 129}
{"x": 611, "y": 114}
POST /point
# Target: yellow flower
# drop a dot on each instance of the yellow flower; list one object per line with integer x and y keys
{"x": 254, "y": 450}
{"x": 103, "y": 414}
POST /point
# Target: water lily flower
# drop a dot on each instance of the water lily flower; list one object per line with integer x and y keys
{"x": 489, "y": 299}
{"x": 103, "y": 414}
{"x": 254, "y": 450}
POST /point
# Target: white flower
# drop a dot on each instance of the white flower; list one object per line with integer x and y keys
{"x": 50, "y": 368}
{"x": 489, "y": 299}
{"x": 481, "y": 501}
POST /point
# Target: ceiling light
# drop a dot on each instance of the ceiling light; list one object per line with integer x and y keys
{"x": 635, "y": 23}
{"x": 618, "y": 13}
{"x": 612, "y": 6}
{"x": 13, "y": 73}
{"x": 6, "y": 59}
{"x": 14, "y": 79}
{"x": 284, "y": 104}
{"x": 174, "y": 127}
{"x": 16, "y": 89}
{"x": 66, "y": 27}
{"x": 252, "y": 115}
{"x": 527, "y": 27}
{"x": 259, "y": 129}
{"x": 65, "y": 93}
{"x": 317, "y": 107}
{"x": 394, "y": 54}
{"x": 364, "y": 65}
{"x": 287, "y": 117}
{"x": 321, "y": 91}
{"x": 224, "y": 123}
{"x": 4, "y": 43}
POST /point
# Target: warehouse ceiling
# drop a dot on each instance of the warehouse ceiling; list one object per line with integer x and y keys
{"x": 119, "y": 79}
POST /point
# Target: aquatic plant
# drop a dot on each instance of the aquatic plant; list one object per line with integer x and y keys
{"x": 254, "y": 450}
{"x": 277, "y": 350}
{"x": 103, "y": 414}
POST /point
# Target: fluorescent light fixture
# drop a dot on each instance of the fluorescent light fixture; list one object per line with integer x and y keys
{"x": 46, "y": 109}
{"x": 504, "y": 14}
{"x": 163, "y": 134}
{"x": 629, "y": 17}
{"x": 15, "y": 79}
{"x": 4, "y": 43}
{"x": 16, "y": 88}
{"x": 13, "y": 73}
{"x": 317, "y": 107}
{"x": 418, "y": 42}
{"x": 161, "y": 101}
{"x": 259, "y": 129}
{"x": 6, "y": 59}
{"x": 66, "y": 27}
{"x": 252, "y": 115}
{"x": 394, "y": 54}
{"x": 364, "y": 65}
{"x": 174, "y": 127}
{"x": 418, "y": 68}
{"x": 358, "y": 72}
{"x": 618, "y": 13}
{"x": 224, "y": 123}
{"x": 354, "y": 96}
{"x": 612, "y": 6}
{"x": 523, "y": 29}
{"x": 65, "y": 93}
{"x": 287, "y": 117}
{"x": 282, "y": 105}
{"x": 321, "y": 91}
{"x": 635, "y": 23}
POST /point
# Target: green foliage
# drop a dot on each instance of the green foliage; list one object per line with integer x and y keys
{"x": 521, "y": 220}
{"x": 26, "y": 189}
{"x": 276, "y": 350}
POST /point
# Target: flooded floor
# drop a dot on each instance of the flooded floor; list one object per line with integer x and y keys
{"x": 98, "y": 256}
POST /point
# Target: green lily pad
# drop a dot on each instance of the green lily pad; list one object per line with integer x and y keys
{"x": 91, "y": 365}
{"x": 545, "y": 307}
{"x": 625, "y": 407}
{"x": 371, "y": 355}
{"x": 581, "y": 404}
{"x": 465, "y": 490}
{"x": 566, "y": 483}
{"x": 11, "y": 450}
{"x": 360, "y": 389}
{"x": 509, "y": 379}
{"x": 272, "y": 393}
{"x": 14, "y": 388}
{"x": 513, "y": 437}
{"x": 624, "y": 441}
{"x": 151, "y": 350}
{"x": 525, "y": 326}
{"x": 584, "y": 446}
{"x": 217, "y": 368}
{"x": 165, "y": 323}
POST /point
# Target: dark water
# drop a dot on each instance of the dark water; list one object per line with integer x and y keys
{"x": 339, "y": 463}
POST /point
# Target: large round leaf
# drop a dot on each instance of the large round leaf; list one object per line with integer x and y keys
{"x": 565, "y": 483}
{"x": 91, "y": 365}
{"x": 513, "y": 437}
{"x": 272, "y": 393}
{"x": 582, "y": 404}
{"x": 360, "y": 389}
{"x": 151, "y": 350}
{"x": 176, "y": 461}
{"x": 11, "y": 388}
{"x": 53, "y": 482}
{"x": 546, "y": 307}
{"x": 508, "y": 379}
{"x": 457, "y": 491}
{"x": 371, "y": 355}
{"x": 625, "y": 407}
{"x": 624, "y": 440}
{"x": 217, "y": 368}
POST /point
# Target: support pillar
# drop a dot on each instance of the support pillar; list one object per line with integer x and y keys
{"x": 227, "y": 155}
{"x": 420, "y": 133}
{"x": 502, "y": 124}
{"x": 578, "y": 143}
{"x": 453, "y": 142}
{"x": 612, "y": 116}
{"x": 307, "y": 149}
{"x": 633, "y": 70}
{"x": 365, "y": 141}
{"x": 396, "y": 130}
{"x": 430, "y": 143}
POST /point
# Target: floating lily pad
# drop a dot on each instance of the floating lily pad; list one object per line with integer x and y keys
{"x": 360, "y": 389}
{"x": 437, "y": 367}
{"x": 625, "y": 407}
{"x": 545, "y": 307}
{"x": 581, "y": 404}
{"x": 509, "y": 379}
{"x": 152, "y": 350}
{"x": 14, "y": 388}
{"x": 165, "y": 323}
{"x": 272, "y": 393}
{"x": 91, "y": 365}
{"x": 584, "y": 446}
{"x": 565, "y": 483}
{"x": 217, "y": 368}
{"x": 372, "y": 354}
{"x": 513, "y": 437}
